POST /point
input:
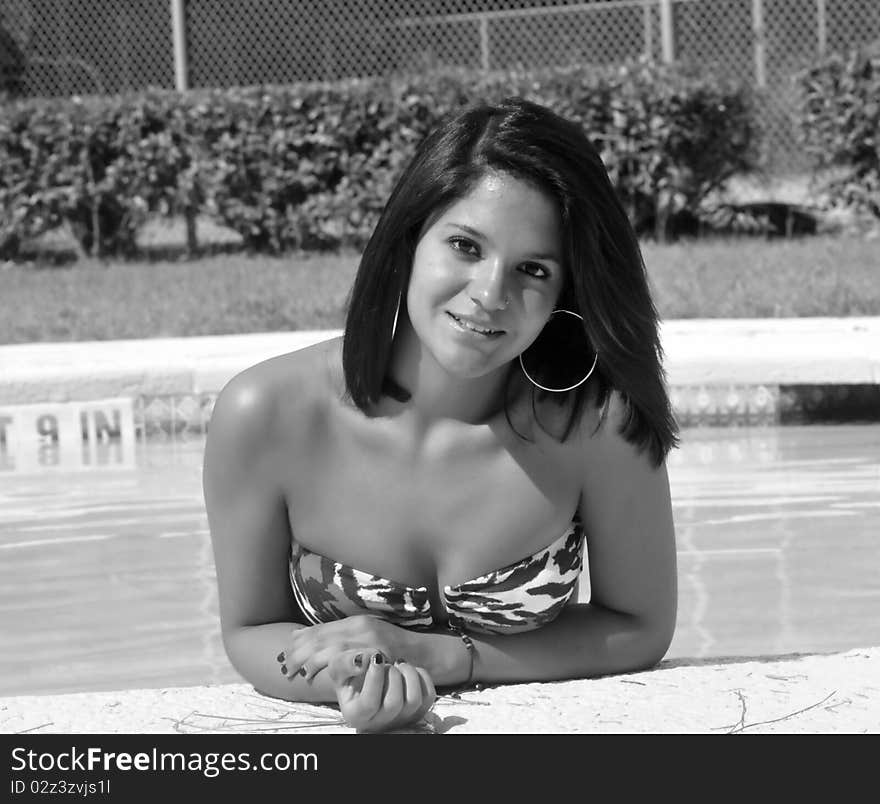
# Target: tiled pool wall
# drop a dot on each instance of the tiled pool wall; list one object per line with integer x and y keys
{"x": 172, "y": 416}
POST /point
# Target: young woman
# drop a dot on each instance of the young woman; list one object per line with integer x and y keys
{"x": 411, "y": 506}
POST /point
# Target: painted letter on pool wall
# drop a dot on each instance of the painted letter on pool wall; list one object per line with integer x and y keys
{"x": 68, "y": 435}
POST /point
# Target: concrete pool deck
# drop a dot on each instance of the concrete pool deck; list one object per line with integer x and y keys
{"x": 771, "y": 351}
{"x": 828, "y": 693}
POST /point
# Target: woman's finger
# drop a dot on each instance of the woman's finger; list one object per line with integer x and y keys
{"x": 393, "y": 699}
{"x": 311, "y": 653}
{"x": 387, "y": 715}
{"x": 414, "y": 692}
{"x": 314, "y": 665}
{"x": 304, "y": 660}
{"x": 373, "y": 687}
{"x": 346, "y": 665}
{"x": 296, "y": 630}
{"x": 429, "y": 693}
{"x": 291, "y": 658}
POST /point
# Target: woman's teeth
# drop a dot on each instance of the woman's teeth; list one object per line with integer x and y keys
{"x": 473, "y": 327}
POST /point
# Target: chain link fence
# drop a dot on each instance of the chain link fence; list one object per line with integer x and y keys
{"x": 85, "y": 47}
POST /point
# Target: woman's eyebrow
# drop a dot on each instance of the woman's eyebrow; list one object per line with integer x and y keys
{"x": 549, "y": 256}
{"x": 469, "y": 229}
{"x": 546, "y": 258}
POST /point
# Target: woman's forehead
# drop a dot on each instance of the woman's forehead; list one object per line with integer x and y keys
{"x": 503, "y": 205}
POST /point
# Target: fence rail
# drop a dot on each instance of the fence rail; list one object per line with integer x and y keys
{"x": 66, "y": 47}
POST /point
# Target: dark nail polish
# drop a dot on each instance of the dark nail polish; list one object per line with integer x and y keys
{"x": 280, "y": 657}
{"x": 301, "y": 671}
{"x": 359, "y": 660}
{"x": 401, "y": 661}
{"x": 284, "y": 669}
{"x": 378, "y": 658}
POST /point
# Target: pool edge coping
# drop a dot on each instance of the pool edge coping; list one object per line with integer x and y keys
{"x": 806, "y": 693}
{"x": 718, "y": 370}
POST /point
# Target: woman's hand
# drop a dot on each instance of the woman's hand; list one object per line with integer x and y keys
{"x": 375, "y": 695}
{"x": 312, "y": 647}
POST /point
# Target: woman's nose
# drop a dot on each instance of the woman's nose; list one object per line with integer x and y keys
{"x": 488, "y": 287}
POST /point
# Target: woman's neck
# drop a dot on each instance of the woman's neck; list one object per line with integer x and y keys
{"x": 434, "y": 394}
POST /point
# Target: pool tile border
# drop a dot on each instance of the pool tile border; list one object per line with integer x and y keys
{"x": 182, "y": 416}
{"x": 725, "y": 405}
{"x": 816, "y": 404}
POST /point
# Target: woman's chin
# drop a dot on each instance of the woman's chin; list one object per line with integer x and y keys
{"x": 468, "y": 369}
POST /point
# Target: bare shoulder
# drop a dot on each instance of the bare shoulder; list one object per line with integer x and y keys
{"x": 267, "y": 404}
{"x": 625, "y": 497}
{"x": 603, "y": 446}
{"x": 260, "y": 418}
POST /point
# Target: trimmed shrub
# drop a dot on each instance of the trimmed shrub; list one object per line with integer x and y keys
{"x": 310, "y": 166}
{"x": 99, "y": 167}
{"x": 839, "y": 123}
{"x": 669, "y": 135}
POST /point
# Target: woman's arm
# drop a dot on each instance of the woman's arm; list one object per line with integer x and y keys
{"x": 245, "y": 455}
{"x": 250, "y": 533}
{"x": 629, "y": 622}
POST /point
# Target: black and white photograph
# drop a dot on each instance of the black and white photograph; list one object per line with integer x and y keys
{"x": 436, "y": 368}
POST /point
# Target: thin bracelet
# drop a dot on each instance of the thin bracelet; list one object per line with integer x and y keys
{"x": 472, "y": 652}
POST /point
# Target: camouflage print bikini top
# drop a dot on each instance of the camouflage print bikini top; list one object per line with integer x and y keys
{"x": 519, "y": 597}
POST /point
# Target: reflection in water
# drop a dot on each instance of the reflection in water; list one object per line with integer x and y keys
{"x": 107, "y": 577}
{"x": 49, "y": 455}
{"x": 777, "y": 535}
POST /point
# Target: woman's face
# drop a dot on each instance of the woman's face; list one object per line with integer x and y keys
{"x": 486, "y": 276}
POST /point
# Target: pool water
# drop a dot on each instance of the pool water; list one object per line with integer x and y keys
{"x": 778, "y": 536}
{"x": 107, "y": 578}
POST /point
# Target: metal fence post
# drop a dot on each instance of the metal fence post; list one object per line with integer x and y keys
{"x": 649, "y": 28}
{"x": 178, "y": 34}
{"x": 484, "y": 43}
{"x": 821, "y": 26}
{"x": 666, "y": 31}
{"x": 760, "y": 43}
{"x": 178, "y": 29}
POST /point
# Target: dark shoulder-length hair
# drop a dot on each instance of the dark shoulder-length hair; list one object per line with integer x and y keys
{"x": 606, "y": 279}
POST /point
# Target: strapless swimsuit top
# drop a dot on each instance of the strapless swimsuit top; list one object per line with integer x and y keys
{"x": 522, "y": 596}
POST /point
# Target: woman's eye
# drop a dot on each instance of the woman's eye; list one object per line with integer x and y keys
{"x": 535, "y": 269}
{"x": 465, "y": 246}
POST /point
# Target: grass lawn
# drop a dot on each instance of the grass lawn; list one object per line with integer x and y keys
{"x": 236, "y": 293}
{"x": 819, "y": 276}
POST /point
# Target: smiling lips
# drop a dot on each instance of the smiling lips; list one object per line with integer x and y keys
{"x": 472, "y": 326}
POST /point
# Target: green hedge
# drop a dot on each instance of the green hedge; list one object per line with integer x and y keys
{"x": 839, "y": 117}
{"x": 310, "y": 167}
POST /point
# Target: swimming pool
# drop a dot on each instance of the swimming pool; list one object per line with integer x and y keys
{"x": 107, "y": 578}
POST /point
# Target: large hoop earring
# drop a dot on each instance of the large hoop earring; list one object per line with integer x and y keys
{"x": 396, "y": 314}
{"x": 561, "y": 340}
